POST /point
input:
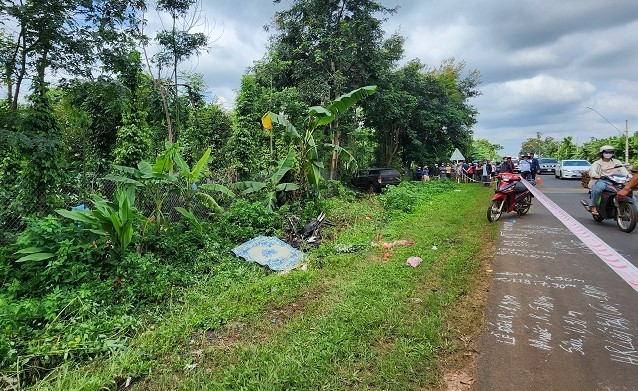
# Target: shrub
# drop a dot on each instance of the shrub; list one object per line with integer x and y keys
{"x": 73, "y": 261}
{"x": 244, "y": 220}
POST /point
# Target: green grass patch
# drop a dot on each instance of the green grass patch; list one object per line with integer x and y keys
{"x": 361, "y": 320}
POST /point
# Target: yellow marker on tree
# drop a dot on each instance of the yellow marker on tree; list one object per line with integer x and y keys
{"x": 266, "y": 122}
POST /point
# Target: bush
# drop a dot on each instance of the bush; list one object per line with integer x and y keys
{"x": 73, "y": 263}
{"x": 244, "y": 220}
{"x": 404, "y": 197}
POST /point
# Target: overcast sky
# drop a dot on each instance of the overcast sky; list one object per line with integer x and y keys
{"x": 542, "y": 61}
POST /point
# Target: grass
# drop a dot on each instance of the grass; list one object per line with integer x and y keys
{"x": 362, "y": 320}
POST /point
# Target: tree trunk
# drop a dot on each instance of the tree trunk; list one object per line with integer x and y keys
{"x": 336, "y": 140}
{"x": 393, "y": 145}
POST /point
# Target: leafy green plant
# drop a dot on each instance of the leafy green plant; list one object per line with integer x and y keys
{"x": 112, "y": 220}
{"x": 309, "y": 162}
{"x": 171, "y": 174}
{"x": 272, "y": 185}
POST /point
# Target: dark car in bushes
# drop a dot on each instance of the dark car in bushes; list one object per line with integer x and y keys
{"x": 375, "y": 179}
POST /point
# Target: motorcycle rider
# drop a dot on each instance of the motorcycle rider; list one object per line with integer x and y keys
{"x": 606, "y": 165}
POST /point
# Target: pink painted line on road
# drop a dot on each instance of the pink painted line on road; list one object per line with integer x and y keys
{"x": 616, "y": 262}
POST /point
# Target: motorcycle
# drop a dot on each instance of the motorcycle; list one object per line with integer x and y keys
{"x": 621, "y": 209}
{"x": 511, "y": 195}
{"x": 310, "y": 234}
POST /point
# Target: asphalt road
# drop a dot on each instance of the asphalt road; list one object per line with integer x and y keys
{"x": 558, "y": 316}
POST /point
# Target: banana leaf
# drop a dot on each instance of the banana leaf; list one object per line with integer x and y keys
{"x": 285, "y": 165}
{"x": 217, "y": 187}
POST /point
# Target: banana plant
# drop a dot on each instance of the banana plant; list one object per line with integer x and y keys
{"x": 272, "y": 185}
{"x": 171, "y": 170}
{"x": 309, "y": 162}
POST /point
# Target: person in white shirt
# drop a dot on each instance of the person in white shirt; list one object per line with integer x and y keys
{"x": 526, "y": 168}
{"x": 606, "y": 165}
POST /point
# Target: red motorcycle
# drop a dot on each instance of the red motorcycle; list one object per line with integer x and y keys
{"x": 511, "y": 195}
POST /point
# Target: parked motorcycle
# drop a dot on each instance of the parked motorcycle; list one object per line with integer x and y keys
{"x": 621, "y": 209}
{"x": 510, "y": 195}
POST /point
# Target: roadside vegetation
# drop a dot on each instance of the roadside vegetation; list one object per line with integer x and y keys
{"x": 356, "y": 320}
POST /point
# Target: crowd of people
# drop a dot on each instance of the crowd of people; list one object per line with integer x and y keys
{"x": 481, "y": 171}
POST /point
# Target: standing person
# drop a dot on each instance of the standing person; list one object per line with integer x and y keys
{"x": 606, "y": 165}
{"x": 494, "y": 168}
{"x": 526, "y": 168}
{"x": 470, "y": 172}
{"x": 507, "y": 165}
{"x": 448, "y": 171}
{"x": 436, "y": 172}
{"x": 487, "y": 173}
{"x": 426, "y": 173}
{"x": 419, "y": 173}
{"x": 536, "y": 166}
{"x": 464, "y": 168}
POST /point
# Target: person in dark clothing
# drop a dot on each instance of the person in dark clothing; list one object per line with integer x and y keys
{"x": 535, "y": 165}
{"x": 436, "y": 172}
{"x": 508, "y": 165}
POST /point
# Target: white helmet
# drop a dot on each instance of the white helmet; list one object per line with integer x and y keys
{"x": 607, "y": 148}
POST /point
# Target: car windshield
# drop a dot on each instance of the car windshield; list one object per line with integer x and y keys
{"x": 567, "y": 163}
{"x": 547, "y": 160}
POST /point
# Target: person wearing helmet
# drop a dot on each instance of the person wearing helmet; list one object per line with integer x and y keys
{"x": 606, "y": 165}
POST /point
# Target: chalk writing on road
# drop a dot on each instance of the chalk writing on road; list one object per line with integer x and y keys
{"x": 503, "y": 329}
{"x": 558, "y": 282}
{"x": 592, "y": 319}
{"x": 516, "y": 242}
{"x": 542, "y": 309}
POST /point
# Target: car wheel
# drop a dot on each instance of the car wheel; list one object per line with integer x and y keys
{"x": 560, "y": 175}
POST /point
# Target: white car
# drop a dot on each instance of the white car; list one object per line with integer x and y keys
{"x": 571, "y": 168}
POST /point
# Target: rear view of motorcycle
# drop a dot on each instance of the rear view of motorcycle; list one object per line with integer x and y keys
{"x": 511, "y": 195}
{"x": 620, "y": 209}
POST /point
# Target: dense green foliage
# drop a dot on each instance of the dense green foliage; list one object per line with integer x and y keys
{"x": 123, "y": 190}
{"x": 568, "y": 148}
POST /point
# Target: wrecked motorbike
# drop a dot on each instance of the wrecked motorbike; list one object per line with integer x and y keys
{"x": 310, "y": 234}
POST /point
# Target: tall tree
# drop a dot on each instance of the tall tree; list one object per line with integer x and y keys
{"x": 422, "y": 114}
{"x": 331, "y": 47}
{"x": 483, "y": 149}
{"x": 62, "y": 35}
{"x": 176, "y": 45}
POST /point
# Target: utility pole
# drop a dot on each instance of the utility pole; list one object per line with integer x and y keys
{"x": 619, "y": 132}
{"x": 626, "y": 142}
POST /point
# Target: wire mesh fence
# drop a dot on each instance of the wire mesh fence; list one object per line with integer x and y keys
{"x": 18, "y": 204}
